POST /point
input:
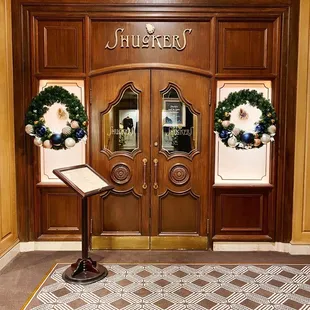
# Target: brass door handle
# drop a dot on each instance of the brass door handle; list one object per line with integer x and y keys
{"x": 144, "y": 186}
{"x": 155, "y": 185}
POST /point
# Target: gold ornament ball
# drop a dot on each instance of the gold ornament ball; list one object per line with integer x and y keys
{"x": 226, "y": 114}
{"x": 225, "y": 123}
{"x": 272, "y": 129}
{"x": 269, "y": 114}
{"x": 42, "y": 119}
{"x": 47, "y": 144}
{"x": 219, "y": 121}
{"x": 85, "y": 123}
{"x": 75, "y": 124}
{"x": 37, "y": 141}
{"x": 35, "y": 122}
{"x": 29, "y": 129}
{"x": 257, "y": 142}
{"x": 272, "y": 121}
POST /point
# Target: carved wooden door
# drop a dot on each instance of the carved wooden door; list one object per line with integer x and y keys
{"x": 180, "y": 132}
{"x": 120, "y": 151}
{"x": 149, "y": 136}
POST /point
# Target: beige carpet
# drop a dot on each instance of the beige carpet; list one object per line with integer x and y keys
{"x": 178, "y": 287}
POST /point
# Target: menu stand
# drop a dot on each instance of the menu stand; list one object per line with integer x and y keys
{"x": 86, "y": 182}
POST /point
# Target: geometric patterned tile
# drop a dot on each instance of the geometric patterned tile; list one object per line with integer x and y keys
{"x": 180, "y": 287}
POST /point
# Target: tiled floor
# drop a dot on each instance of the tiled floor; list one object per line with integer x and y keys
{"x": 19, "y": 279}
{"x": 180, "y": 287}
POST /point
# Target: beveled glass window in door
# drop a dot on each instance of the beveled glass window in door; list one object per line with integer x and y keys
{"x": 179, "y": 124}
{"x": 120, "y": 125}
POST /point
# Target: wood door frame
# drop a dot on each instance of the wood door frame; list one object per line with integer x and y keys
{"x": 26, "y": 85}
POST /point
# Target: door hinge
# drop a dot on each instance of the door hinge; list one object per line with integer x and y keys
{"x": 90, "y": 96}
{"x": 210, "y": 96}
{"x": 91, "y": 226}
{"x": 208, "y": 226}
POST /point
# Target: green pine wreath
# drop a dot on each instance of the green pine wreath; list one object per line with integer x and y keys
{"x": 264, "y": 129}
{"x": 74, "y": 132}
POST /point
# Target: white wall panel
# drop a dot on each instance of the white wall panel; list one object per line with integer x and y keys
{"x": 241, "y": 166}
{"x": 53, "y": 159}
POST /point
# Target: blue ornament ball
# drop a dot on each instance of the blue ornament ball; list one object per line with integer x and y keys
{"x": 247, "y": 137}
{"x": 79, "y": 133}
{"x": 40, "y": 131}
{"x": 56, "y": 139}
{"x": 259, "y": 128}
{"x": 224, "y": 134}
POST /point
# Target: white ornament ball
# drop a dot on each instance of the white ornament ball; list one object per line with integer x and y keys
{"x": 232, "y": 141}
{"x": 29, "y": 129}
{"x": 47, "y": 144}
{"x": 265, "y": 138}
{"x": 225, "y": 123}
{"x": 236, "y": 131}
{"x": 37, "y": 141}
{"x": 272, "y": 129}
{"x": 69, "y": 142}
{"x": 66, "y": 130}
{"x": 84, "y": 139}
{"x": 75, "y": 124}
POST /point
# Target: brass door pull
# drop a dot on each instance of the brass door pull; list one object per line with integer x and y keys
{"x": 155, "y": 186}
{"x": 144, "y": 186}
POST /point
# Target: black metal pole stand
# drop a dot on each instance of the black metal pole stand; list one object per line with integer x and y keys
{"x": 84, "y": 270}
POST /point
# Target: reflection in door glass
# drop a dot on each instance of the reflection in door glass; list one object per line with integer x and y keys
{"x": 120, "y": 124}
{"x": 179, "y": 124}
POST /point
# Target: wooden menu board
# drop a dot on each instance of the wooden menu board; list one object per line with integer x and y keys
{"x": 83, "y": 179}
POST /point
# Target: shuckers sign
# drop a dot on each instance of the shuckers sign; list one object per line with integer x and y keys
{"x": 150, "y": 40}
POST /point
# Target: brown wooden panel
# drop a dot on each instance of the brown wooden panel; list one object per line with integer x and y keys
{"x": 180, "y": 199}
{"x": 246, "y": 47}
{"x": 248, "y": 218}
{"x": 198, "y": 44}
{"x": 127, "y": 210}
{"x": 179, "y": 214}
{"x": 121, "y": 214}
{"x": 60, "y": 46}
{"x": 243, "y": 211}
{"x": 61, "y": 211}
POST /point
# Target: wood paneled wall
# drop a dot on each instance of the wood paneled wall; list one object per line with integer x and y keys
{"x": 301, "y": 213}
{"x": 8, "y": 222}
{"x": 250, "y": 40}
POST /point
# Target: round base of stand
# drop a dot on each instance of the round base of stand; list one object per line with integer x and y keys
{"x": 85, "y": 277}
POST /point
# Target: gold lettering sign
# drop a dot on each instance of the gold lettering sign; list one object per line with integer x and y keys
{"x": 148, "y": 40}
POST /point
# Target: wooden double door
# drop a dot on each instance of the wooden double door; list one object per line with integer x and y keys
{"x": 150, "y": 137}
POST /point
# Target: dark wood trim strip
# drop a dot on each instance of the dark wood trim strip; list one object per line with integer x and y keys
{"x": 248, "y": 238}
{"x": 171, "y": 3}
{"x": 148, "y": 66}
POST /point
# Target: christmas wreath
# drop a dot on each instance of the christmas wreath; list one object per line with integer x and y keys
{"x": 237, "y": 104}
{"x": 76, "y": 129}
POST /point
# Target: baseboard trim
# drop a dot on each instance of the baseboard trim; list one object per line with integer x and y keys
{"x": 293, "y": 249}
{"x": 9, "y": 255}
{"x": 50, "y": 246}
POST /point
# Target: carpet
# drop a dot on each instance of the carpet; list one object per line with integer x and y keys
{"x": 178, "y": 287}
